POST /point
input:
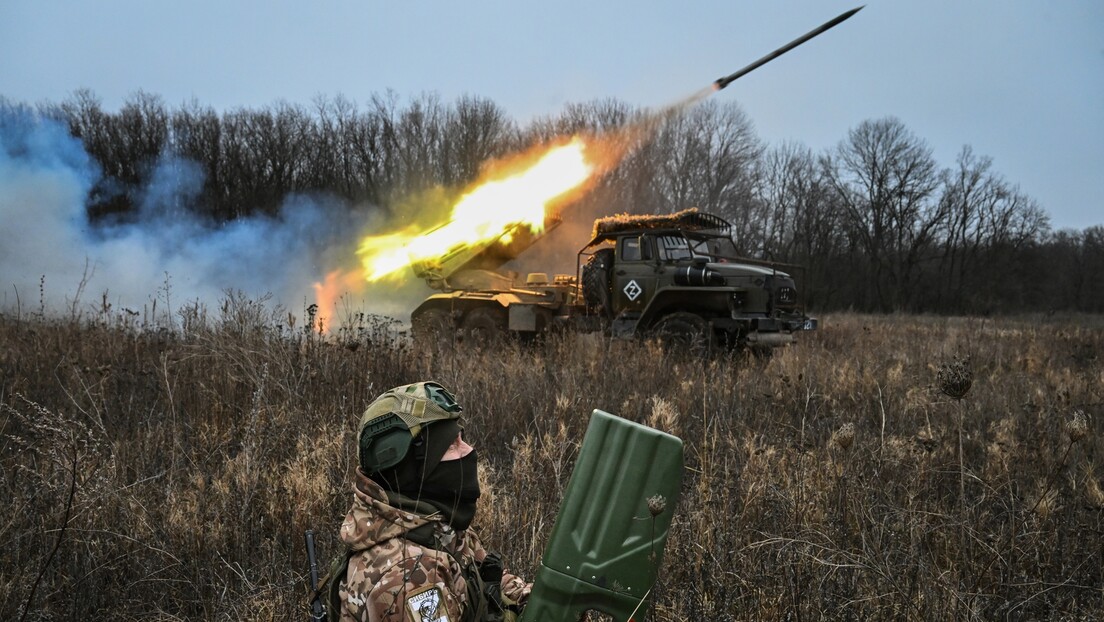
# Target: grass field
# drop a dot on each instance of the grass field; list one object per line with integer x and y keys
{"x": 156, "y": 473}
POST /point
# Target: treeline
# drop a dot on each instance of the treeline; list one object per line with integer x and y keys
{"x": 876, "y": 221}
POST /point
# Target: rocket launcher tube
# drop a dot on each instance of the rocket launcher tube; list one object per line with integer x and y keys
{"x": 607, "y": 543}
{"x": 487, "y": 255}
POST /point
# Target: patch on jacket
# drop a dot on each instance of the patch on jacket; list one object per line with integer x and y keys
{"x": 427, "y": 605}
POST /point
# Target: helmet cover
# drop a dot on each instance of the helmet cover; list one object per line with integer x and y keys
{"x": 397, "y": 417}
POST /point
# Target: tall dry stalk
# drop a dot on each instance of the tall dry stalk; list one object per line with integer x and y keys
{"x": 1077, "y": 428}
{"x": 955, "y": 379}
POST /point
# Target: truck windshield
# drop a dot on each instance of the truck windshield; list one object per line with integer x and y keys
{"x": 722, "y": 249}
{"x": 712, "y": 248}
{"x": 673, "y": 247}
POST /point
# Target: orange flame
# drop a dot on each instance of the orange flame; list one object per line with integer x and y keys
{"x": 518, "y": 192}
{"x": 328, "y": 292}
{"x": 484, "y": 213}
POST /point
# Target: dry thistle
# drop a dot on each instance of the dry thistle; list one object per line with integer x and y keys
{"x": 657, "y": 504}
{"x": 955, "y": 378}
{"x": 845, "y": 435}
{"x": 1077, "y": 427}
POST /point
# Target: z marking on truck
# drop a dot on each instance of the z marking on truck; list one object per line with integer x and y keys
{"x": 633, "y": 291}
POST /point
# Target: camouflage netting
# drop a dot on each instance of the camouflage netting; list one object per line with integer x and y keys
{"x": 686, "y": 219}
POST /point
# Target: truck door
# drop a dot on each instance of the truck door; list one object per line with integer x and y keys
{"x": 634, "y": 274}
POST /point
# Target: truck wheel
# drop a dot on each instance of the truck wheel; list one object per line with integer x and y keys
{"x": 684, "y": 331}
{"x": 433, "y": 326}
{"x": 596, "y": 281}
{"x": 485, "y": 325}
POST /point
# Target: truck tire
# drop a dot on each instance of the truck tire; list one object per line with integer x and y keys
{"x": 684, "y": 331}
{"x": 485, "y": 325}
{"x": 433, "y": 326}
{"x": 596, "y": 281}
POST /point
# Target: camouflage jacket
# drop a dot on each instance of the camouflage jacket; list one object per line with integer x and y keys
{"x": 392, "y": 579}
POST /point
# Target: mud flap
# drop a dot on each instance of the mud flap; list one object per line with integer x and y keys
{"x": 607, "y": 543}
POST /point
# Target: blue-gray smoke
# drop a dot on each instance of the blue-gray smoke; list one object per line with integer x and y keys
{"x": 53, "y": 258}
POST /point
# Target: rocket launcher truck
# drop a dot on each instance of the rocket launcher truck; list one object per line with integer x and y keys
{"x": 676, "y": 277}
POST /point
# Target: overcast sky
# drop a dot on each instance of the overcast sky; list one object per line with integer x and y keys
{"x": 1020, "y": 81}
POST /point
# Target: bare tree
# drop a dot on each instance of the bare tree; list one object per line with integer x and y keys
{"x": 409, "y": 143}
{"x": 475, "y": 131}
{"x": 197, "y": 136}
{"x": 141, "y": 133}
{"x": 126, "y": 145}
{"x": 704, "y": 158}
{"x": 964, "y": 189}
{"x": 1090, "y": 292}
{"x": 885, "y": 178}
{"x": 324, "y": 166}
{"x": 801, "y": 217}
{"x": 986, "y": 219}
{"x": 597, "y": 117}
{"x": 798, "y": 218}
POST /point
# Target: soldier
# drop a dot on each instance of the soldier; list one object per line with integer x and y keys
{"x": 411, "y": 556}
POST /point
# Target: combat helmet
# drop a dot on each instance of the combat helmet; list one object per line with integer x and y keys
{"x": 395, "y": 431}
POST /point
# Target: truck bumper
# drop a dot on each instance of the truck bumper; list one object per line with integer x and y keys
{"x": 809, "y": 323}
{"x": 768, "y": 331}
{"x": 783, "y": 324}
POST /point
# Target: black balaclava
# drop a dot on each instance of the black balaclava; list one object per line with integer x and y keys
{"x": 450, "y": 487}
{"x": 453, "y": 488}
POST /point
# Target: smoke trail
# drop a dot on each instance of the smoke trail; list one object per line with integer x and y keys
{"x": 165, "y": 251}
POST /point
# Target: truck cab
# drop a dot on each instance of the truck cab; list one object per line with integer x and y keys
{"x": 679, "y": 277}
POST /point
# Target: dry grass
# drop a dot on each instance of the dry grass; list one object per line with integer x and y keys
{"x": 169, "y": 474}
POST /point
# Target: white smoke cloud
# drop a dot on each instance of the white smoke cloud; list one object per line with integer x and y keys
{"x": 165, "y": 254}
